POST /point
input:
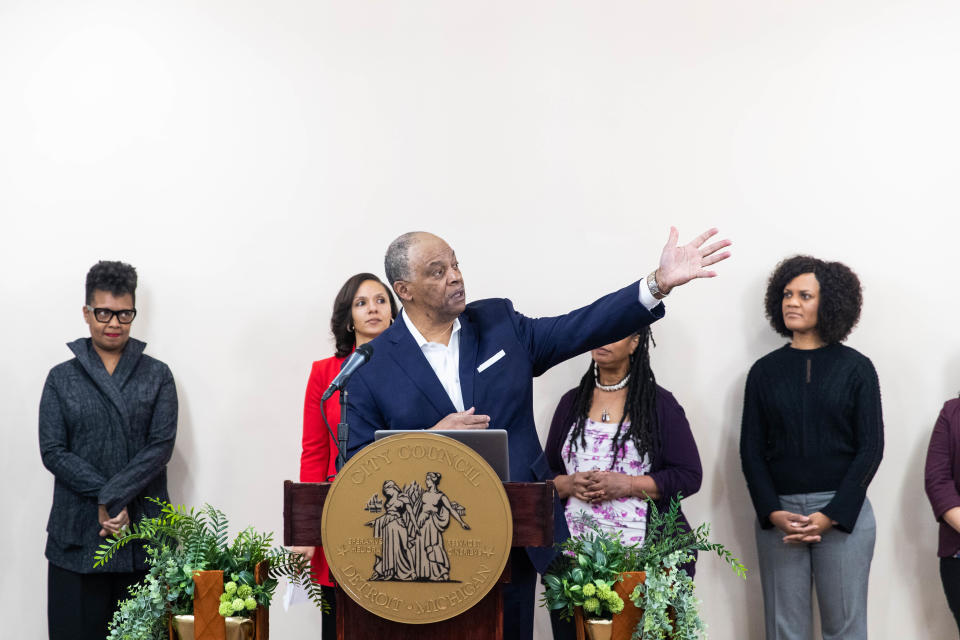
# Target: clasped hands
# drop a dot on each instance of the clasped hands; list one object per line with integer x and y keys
{"x": 113, "y": 525}
{"x": 800, "y": 529}
{"x": 599, "y": 485}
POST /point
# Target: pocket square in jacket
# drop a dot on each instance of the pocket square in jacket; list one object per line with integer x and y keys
{"x": 491, "y": 361}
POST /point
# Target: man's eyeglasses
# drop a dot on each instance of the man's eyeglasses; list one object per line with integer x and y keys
{"x": 124, "y": 316}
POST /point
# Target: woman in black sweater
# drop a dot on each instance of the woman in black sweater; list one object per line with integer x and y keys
{"x": 810, "y": 443}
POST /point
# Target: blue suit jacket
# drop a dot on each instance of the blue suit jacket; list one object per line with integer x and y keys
{"x": 397, "y": 389}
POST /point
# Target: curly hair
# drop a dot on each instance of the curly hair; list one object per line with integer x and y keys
{"x": 117, "y": 278}
{"x": 342, "y": 318}
{"x": 640, "y": 406}
{"x": 841, "y": 296}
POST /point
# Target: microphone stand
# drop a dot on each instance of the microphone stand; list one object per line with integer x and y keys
{"x": 343, "y": 431}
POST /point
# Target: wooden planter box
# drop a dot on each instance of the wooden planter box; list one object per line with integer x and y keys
{"x": 208, "y": 623}
{"x": 624, "y": 622}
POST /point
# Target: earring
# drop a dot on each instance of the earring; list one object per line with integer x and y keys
{"x": 350, "y": 328}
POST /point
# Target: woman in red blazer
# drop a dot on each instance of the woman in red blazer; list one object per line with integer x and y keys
{"x": 363, "y": 308}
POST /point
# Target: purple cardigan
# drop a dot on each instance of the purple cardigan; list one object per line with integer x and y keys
{"x": 942, "y": 474}
{"x": 676, "y": 470}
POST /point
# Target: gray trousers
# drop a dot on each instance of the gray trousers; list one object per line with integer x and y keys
{"x": 839, "y": 566}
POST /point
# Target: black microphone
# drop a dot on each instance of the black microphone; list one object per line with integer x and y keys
{"x": 356, "y": 360}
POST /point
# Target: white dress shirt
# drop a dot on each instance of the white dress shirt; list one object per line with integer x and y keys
{"x": 445, "y": 359}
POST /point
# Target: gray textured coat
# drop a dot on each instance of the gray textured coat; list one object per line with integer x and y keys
{"x": 107, "y": 440}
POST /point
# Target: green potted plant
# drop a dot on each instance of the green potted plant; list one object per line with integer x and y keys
{"x": 182, "y": 543}
{"x": 666, "y": 596}
{"x": 660, "y": 592}
{"x": 583, "y": 583}
{"x": 669, "y": 608}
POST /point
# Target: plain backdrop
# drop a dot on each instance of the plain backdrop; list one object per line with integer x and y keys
{"x": 247, "y": 157}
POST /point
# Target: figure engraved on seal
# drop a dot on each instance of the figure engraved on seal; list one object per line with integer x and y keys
{"x": 411, "y": 532}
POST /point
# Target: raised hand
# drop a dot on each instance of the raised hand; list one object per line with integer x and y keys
{"x": 679, "y": 264}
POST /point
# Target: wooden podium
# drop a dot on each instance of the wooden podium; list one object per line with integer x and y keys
{"x": 531, "y": 504}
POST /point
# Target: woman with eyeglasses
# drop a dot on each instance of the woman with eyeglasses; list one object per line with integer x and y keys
{"x": 363, "y": 308}
{"x": 108, "y": 420}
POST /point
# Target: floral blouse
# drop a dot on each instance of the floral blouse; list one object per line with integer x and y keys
{"x": 627, "y": 514}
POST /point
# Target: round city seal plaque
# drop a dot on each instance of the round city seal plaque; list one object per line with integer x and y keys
{"x": 417, "y": 528}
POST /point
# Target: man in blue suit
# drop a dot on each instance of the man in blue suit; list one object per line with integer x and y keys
{"x": 445, "y": 364}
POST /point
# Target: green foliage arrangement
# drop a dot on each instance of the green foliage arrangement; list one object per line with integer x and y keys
{"x": 667, "y": 534}
{"x": 599, "y": 556}
{"x": 670, "y": 607}
{"x": 180, "y": 541}
{"x": 586, "y": 570}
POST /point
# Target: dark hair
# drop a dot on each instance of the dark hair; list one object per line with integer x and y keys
{"x": 117, "y": 278}
{"x": 342, "y": 319}
{"x": 840, "y": 296}
{"x": 396, "y": 262}
{"x": 640, "y": 405}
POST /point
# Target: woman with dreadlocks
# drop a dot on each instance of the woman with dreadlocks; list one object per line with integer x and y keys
{"x": 618, "y": 438}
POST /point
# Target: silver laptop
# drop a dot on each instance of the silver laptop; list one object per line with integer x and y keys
{"x": 491, "y": 444}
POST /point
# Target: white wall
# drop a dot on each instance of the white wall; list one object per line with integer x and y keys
{"x": 247, "y": 157}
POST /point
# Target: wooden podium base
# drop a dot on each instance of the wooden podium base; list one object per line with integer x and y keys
{"x": 532, "y": 507}
{"x": 486, "y": 622}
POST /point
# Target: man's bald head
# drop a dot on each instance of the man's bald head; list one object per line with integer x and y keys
{"x": 396, "y": 263}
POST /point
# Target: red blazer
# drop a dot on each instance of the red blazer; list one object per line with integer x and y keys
{"x": 318, "y": 461}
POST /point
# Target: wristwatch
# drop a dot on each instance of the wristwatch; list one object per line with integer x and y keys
{"x": 652, "y": 286}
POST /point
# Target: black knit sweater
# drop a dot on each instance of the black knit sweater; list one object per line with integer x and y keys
{"x": 811, "y": 422}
